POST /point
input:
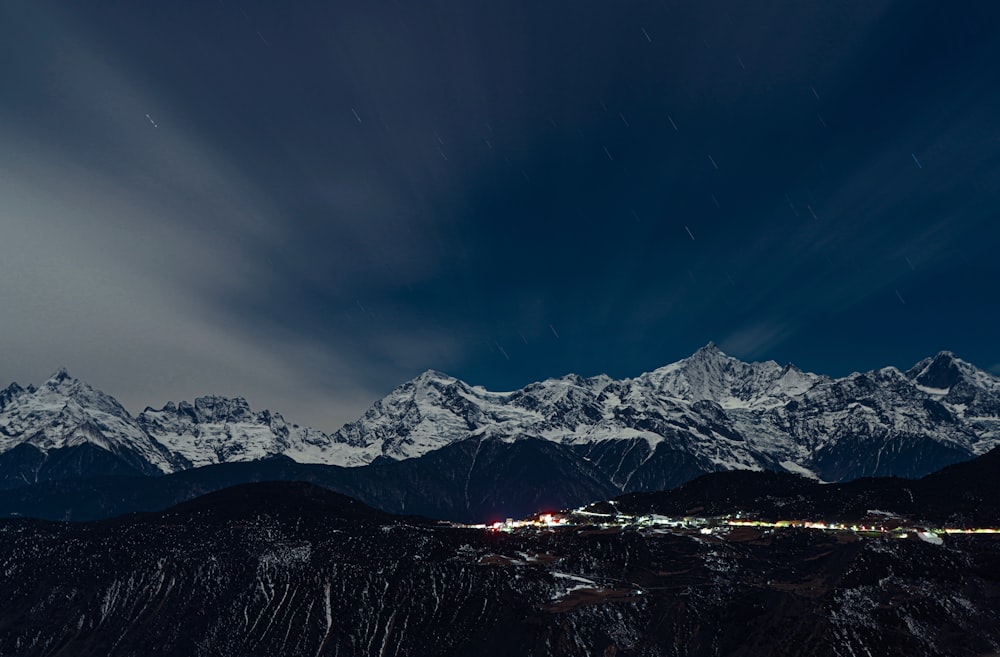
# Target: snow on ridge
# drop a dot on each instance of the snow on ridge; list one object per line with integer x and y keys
{"x": 66, "y": 412}
{"x": 716, "y": 408}
{"x": 795, "y": 468}
{"x": 934, "y": 392}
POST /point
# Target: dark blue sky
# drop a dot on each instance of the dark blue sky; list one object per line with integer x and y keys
{"x": 308, "y": 203}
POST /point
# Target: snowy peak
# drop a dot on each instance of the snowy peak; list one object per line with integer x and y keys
{"x": 218, "y": 429}
{"x": 970, "y": 393}
{"x": 62, "y": 383}
{"x": 424, "y": 414}
{"x": 218, "y": 409}
{"x": 706, "y": 412}
{"x": 719, "y": 411}
{"x": 12, "y": 392}
{"x": 711, "y": 375}
{"x": 711, "y": 361}
{"x": 941, "y": 372}
{"x": 59, "y": 377}
{"x": 432, "y": 378}
{"x": 710, "y": 351}
{"x": 72, "y": 392}
{"x": 792, "y": 382}
{"x": 211, "y": 409}
{"x": 65, "y": 412}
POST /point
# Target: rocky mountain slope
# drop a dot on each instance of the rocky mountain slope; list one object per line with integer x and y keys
{"x": 290, "y": 569}
{"x": 705, "y": 413}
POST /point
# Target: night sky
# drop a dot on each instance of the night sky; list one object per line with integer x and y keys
{"x": 307, "y": 203}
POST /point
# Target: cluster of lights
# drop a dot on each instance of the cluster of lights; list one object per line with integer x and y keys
{"x": 541, "y": 520}
{"x": 901, "y": 532}
{"x": 804, "y": 524}
{"x": 548, "y": 520}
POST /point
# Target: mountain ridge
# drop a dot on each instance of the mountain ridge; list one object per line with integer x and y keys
{"x": 709, "y": 410}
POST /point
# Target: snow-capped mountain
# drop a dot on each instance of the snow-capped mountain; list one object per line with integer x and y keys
{"x": 222, "y": 430}
{"x": 68, "y": 416}
{"x": 715, "y": 412}
{"x": 705, "y": 413}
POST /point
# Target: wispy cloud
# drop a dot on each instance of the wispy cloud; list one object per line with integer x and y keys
{"x": 372, "y": 190}
{"x": 751, "y": 341}
{"x": 127, "y": 245}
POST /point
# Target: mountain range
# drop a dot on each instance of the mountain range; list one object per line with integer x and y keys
{"x": 562, "y": 441}
{"x": 218, "y": 566}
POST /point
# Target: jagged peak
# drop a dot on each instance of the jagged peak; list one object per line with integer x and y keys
{"x": 941, "y": 371}
{"x": 63, "y": 383}
{"x": 890, "y": 371}
{"x": 169, "y": 407}
{"x": 711, "y": 353}
{"x": 711, "y": 349}
{"x": 427, "y": 375}
{"x": 429, "y": 378}
{"x": 944, "y": 356}
{"x": 207, "y": 408}
{"x": 11, "y": 392}
{"x": 708, "y": 354}
{"x": 711, "y": 358}
{"x": 216, "y": 400}
{"x": 572, "y": 378}
{"x": 13, "y": 389}
{"x": 217, "y": 407}
{"x": 58, "y": 377}
{"x": 790, "y": 367}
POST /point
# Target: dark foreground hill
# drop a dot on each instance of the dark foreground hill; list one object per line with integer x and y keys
{"x": 290, "y": 569}
{"x": 476, "y": 481}
{"x": 961, "y": 494}
{"x": 468, "y": 481}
